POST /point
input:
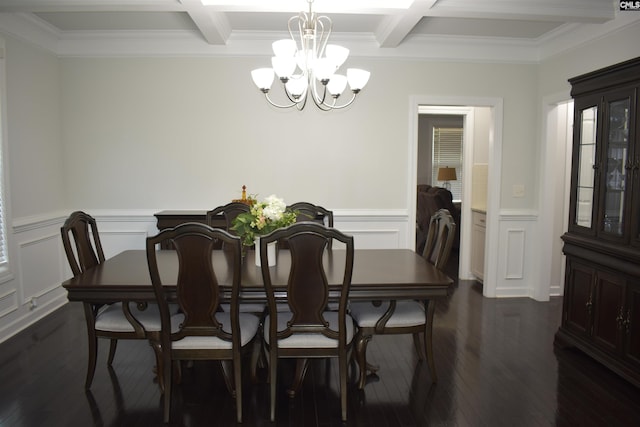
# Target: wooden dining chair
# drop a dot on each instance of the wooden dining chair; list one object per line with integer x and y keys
{"x": 310, "y": 212}
{"x": 200, "y": 331}
{"x": 230, "y": 211}
{"x": 122, "y": 320}
{"x": 407, "y": 316}
{"x": 307, "y": 330}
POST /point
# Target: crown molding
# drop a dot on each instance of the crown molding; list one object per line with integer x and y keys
{"x": 29, "y": 28}
{"x": 572, "y": 36}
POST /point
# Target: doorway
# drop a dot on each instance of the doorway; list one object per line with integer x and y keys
{"x": 465, "y": 107}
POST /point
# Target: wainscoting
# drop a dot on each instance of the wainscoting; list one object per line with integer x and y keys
{"x": 516, "y": 249}
{"x": 38, "y": 263}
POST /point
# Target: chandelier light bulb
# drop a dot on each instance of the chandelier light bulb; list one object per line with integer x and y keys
{"x": 338, "y": 54}
{"x": 336, "y": 85}
{"x": 285, "y": 48}
{"x": 357, "y": 78}
{"x": 263, "y": 78}
{"x": 297, "y": 86}
{"x": 324, "y": 68}
{"x": 284, "y": 67}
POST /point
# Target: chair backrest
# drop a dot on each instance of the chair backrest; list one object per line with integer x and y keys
{"x": 230, "y": 212}
{"x": 198, "y": 287}
{"x": 307, "y": 287}
{"x": 82, "y": 252}
{"x": 440, "y": 237}
{"x": 310, "y": 212}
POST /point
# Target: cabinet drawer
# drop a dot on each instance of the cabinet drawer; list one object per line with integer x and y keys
{"x": 479, "y": 219}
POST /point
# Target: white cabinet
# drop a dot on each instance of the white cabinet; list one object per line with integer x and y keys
{"x": 477, "y": 243}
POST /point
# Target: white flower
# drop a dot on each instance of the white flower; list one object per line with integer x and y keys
{"x": 274, "y": 209}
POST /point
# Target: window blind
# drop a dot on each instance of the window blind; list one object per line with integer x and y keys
{"x": 447, "y": 151}
{"x": 3, "y": 241}
{"x": 3, "y": 230}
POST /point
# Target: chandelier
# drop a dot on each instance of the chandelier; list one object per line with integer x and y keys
{"x": 306, "y": 66}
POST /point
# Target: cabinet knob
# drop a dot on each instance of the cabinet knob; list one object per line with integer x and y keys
{"x": 588, "y": 305}
{"x": 620, "y": 318}
{"x": 627, "y": 321}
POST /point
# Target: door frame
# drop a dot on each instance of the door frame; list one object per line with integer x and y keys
{"x": 493, "y": 185}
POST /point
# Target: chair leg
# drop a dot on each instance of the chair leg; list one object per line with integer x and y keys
{"x": 256, "y": 352}
{"x": 418, "y": 346}
{"x": 93, "y": 355}
{"x": 92, "y": 343}
{"x": 112, "y": 351}
{"x": 343, "y": 385}
{"x": 428, "y": 339}
{"x": 273, "y": 367}
{"x": 167, "y": 368}
{"x": 159, "y": 372}
{"x": 361, "y": 358}
{"x": 226, "y": 373}
{"x": 301, "y": 370}
{"x": 237, "y": 376}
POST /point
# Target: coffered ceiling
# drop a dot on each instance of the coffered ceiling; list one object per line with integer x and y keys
{"x": 517, "y": 30}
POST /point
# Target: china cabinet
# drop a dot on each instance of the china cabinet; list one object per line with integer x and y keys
{"x": 601, "y": 312}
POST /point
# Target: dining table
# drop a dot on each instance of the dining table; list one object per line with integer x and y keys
{"x": 378, "y": 275}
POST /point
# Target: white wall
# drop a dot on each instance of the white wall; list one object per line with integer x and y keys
{"x": 34, "y": 126}
{"x": 188, "y": 133}
{"x": 36, "y": 190}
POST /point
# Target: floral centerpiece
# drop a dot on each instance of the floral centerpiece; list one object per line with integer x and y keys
{"x": 263, "y": 218}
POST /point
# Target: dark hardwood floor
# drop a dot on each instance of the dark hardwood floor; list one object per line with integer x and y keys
{"x": 496, "y": 364}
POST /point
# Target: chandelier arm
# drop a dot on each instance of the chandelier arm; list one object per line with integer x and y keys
{"x": 316, "y": 96}
{"x": 300, "y": 105}
{"x": 324, "y": 39}
{"x": 293, "y": 103}
{"x": 338, "y": 107}
{"x": 300, "y": 19}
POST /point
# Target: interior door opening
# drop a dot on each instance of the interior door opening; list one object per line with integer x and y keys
{"x": 471, "y": 186}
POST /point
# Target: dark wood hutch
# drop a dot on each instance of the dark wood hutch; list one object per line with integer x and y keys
{"x": 601, "y": 312}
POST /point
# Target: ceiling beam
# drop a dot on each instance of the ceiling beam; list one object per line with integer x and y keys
{"x": 394, "y": 28}
{"x": 90, "y": 6}
{"x": 579, "y": 11}
{"x": 214, "y": 26}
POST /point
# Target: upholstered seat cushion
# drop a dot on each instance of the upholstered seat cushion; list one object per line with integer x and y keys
{"x": 111, "y": 318}
{"x": 248, "y": 329}
{"x": 309, "y": 340}
{"x": 407, "y": 313}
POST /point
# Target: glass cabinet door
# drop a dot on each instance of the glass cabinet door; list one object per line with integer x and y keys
{"x": 586, "y": 151}
{"x": 616, "y": 166}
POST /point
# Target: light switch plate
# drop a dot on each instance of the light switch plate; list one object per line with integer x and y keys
{"x": 518, "y": 190}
